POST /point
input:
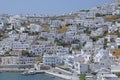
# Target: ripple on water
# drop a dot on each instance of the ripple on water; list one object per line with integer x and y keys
{"x": 18, "y": 76}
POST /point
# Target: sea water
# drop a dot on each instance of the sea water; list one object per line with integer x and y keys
{"x": 19, "y": 76}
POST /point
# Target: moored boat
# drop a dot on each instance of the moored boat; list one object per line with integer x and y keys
{"x": 28, "y": 73}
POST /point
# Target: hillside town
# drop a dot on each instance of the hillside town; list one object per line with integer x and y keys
{"x": 85, "y": 43}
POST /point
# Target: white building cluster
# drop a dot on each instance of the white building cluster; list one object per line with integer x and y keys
{"x": 86, "y": 42}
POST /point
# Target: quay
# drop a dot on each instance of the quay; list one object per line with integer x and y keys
{"x": 67, "y": 77}
{"x": 12, "y": 70}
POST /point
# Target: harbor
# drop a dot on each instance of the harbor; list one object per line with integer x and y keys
{"x": 53, "y": 72}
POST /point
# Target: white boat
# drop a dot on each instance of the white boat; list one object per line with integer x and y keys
{"x": 28, "y": 73}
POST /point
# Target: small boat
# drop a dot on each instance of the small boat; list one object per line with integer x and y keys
{"x": 29, "y": 73}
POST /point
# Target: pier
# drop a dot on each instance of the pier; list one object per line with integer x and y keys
{"x": 67, "y": 77}
{"x": 12, "y": 70}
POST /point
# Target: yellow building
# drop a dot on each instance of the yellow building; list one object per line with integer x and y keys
{"x": 116, "y": 52}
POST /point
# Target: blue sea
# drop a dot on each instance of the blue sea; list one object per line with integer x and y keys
{"x": 19, "y": 76}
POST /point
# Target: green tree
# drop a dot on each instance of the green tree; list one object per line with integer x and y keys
{"x": 84, "y": 43}
{"x": 95, "y": 38}
{"x": 43, "y": 39}
{"x": 25, "y": 53}
{"x": 112, "y": 40}
{"x": 105, "y": 43}
{"x": 75, "y": 41}
{"x": 117, "y": 33}
{"x": 70, "y": 52}
{"x": 7, "y": 53}
{"x": 87, "y": 31}
{"x": 97, "y": 15}
{"x": 50, "y": 53}
{"x": 82, "y": 76}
